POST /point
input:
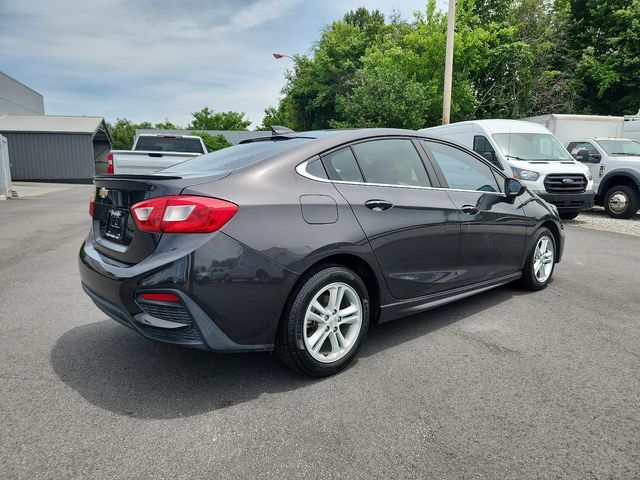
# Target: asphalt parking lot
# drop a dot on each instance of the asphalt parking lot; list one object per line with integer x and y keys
{"x": 506, "y": 384}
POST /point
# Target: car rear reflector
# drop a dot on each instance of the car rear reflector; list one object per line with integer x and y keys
{"x": 161, "y": 297}
{"x": 183, "y": 214}
{"x": 92, "y": 202}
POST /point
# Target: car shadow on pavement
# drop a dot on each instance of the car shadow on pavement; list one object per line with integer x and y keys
{"x": 120, "y": 371}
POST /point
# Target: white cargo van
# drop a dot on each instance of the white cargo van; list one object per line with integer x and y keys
{"x": 530, "y": 153}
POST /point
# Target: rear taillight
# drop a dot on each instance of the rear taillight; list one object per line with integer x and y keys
{"x": 110, "y": 164}
{"x": 92, "y": 202}
{"x": 183, "y": 214}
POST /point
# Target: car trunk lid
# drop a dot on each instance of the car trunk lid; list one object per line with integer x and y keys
{"x": 115, "y": 233}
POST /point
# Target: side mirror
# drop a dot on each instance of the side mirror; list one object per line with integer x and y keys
{"x": 596, "y": 157}
{"x": 581, "y": 155}
{"x": 513, "y": 187}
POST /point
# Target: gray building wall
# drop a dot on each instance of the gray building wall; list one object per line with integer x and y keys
{"x": 51, "y": 156}
{"x": 18, "y": 99}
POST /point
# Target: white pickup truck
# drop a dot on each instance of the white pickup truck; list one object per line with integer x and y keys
{"x": 151, "y": 153}
{"x": 615, "y": 167}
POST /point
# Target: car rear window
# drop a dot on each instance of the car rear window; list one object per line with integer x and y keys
{"x": 238, "y": 156}
{"x": 169, "y": 144}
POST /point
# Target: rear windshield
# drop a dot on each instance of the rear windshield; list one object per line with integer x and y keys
{"x": 238, "y": 156}
{"x": 169, "y": 144}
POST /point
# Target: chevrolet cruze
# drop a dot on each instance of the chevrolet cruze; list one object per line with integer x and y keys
{"x": 297, "y": 242}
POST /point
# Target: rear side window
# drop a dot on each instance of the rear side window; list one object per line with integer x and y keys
{"x": 169, "y": 144}
{"x": 461, "y": 170}
{"x": 342, "y": 165}
{"x": 391, "y": 162}
{"x": 238, "y": 156}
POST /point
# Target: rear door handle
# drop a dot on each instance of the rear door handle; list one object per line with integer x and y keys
{"x": 378, "y": 205}
{"x": 470, "y": 209}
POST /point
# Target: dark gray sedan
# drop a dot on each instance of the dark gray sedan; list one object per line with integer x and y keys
{"x": 297, "y": 241}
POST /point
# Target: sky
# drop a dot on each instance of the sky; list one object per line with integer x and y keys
{"x": 147, "y": 60}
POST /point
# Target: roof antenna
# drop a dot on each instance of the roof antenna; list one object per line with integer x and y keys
{"x": 279, "y": 130}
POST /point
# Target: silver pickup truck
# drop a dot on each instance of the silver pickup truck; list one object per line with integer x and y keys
{"x": 151, "y": 153}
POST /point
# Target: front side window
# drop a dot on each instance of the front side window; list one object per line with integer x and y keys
{"x": 587, "y": 145}
{"x": 391, "y": 162}
{"x": 461, "y": 170}
{"x": 621, "y": 147}
{"x": 531, "y": 146}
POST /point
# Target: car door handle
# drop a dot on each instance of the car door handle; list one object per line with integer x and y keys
{"x": 378, "y": 205}
{"x": 470, "y": 209}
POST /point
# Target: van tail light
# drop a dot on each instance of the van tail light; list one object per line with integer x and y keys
{"x": 110, "y": 164}
{"x": 92, "y": 202}
{"x": 182, "y": 214}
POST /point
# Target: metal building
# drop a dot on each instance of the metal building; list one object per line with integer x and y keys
{"x": 55, "y": 148}
{"x": 18, "y": 99}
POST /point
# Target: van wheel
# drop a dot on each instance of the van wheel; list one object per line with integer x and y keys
{"x": 540, "y": 262}
{"x": 324, "y": 322}
{"x": 621, "y": 201}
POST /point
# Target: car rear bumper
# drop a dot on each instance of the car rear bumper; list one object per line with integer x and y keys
{"x": 569, "y": 201}
{"x": 209, "y": 314}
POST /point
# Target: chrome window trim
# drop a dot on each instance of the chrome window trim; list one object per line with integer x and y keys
{"x": 301, "y": 170}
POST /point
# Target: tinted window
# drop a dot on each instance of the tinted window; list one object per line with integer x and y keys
{"x": 169, "y": 144}
{"x": 238, "y": 156}
{"x": 393, "y": 162}
{"x": 342, "y": 165}
{"x": 315, "y": 168}
{"x": 621, "y": 147}
{"x": 461, "y": 170}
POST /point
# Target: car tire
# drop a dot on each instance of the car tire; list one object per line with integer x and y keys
{"x": 621, "y": 201}
{"x": 568, "y": 215}
{"x": 541, "y": 260}
{"x": 313, "y": 337}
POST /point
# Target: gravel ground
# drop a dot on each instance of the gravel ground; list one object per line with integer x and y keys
{"x": 598, "y": 220}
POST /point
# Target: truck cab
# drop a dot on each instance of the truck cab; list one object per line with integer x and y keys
{"x": 615, "y": 166}
{"x": 529, "y": 152}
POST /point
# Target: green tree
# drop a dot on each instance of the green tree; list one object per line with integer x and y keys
{"x": 207, "y": 119}
{"x": 212, "y": 142}
{"x": 274, "y": 116}
{"x": 166, "y": 125}
{"x": 123, "y": 133}
{"x": 604, "y": 40}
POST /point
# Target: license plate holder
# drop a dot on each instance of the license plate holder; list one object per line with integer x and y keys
{"x": 116, "y": 223}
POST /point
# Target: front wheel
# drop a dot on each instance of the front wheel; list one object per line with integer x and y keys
{"x": 621, "y": 201}
{"x": 540, "y": 262}
{"x": 324, "y": 323}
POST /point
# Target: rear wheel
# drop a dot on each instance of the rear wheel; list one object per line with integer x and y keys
{"x": 621, "y": 201}
{"x": 540, "y": 262}
{"x": 324, "y": 323}
{"x": 568, "y": 215}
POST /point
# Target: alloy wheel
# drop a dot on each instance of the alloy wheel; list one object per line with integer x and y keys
{"x": 543, "y": 258}
{"x": 332, "y": 322}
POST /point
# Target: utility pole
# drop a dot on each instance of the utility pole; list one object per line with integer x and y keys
{"x": 448, "y": 63}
